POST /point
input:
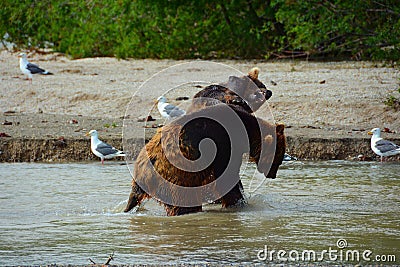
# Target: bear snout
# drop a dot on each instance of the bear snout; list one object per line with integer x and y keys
{"x": 267, "y": 93}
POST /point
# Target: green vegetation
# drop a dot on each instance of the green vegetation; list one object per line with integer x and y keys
{"x": 393, "y": 102}
{"x": 112, "y": 125}
{"x": 358, "y": 29}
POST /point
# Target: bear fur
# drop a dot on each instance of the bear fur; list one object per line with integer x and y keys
{"x": 247, "y": 91}
{"x": 266, "y": 145}
{"x": 247, "y": 87}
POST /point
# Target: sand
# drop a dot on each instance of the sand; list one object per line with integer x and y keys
{"x": 315, "y": 100}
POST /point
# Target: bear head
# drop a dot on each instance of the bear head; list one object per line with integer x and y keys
{"x": 245, "y": 91}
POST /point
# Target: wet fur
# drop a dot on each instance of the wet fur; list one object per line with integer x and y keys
{"x": 152, "y": 159}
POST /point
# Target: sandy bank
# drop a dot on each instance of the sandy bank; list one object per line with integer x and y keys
{"x": 327, "y": 107}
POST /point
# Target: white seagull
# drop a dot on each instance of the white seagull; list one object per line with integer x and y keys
{"x": 101, "y": 149}
{"x": 29, "y": 69}
{"x": 288, "y": 157}
{"x": 167, "y": 110}
{"x": 382, "y": 147}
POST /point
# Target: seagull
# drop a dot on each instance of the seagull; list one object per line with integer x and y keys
{"x": 28, "y": 68}
{"x": 101, "y": 149}
{"x": 382, "y": 147}
{"x": 167, "y": 110}
{"x": 288, "y": 157}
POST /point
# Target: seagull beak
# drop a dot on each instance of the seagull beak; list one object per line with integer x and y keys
{"x": 87, "y": 134}
{"x": 155, "y": 101}
{"x": 370, "y": 133}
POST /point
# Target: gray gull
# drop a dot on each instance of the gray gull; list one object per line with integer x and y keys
{"x": 29, "y": 69}
{"x": 167, "y": 110}
{"x": 101, "y": 149}
{"x": 382, "y": 147}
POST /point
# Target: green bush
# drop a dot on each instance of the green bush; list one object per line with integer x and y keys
{"x": 360, "y": 29}
{"x": 393, "y": 102}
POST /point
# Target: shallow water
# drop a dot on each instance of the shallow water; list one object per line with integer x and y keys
{"x": 68, "y": 213}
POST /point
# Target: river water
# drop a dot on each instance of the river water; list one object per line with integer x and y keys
{"x": 67, "y": 213}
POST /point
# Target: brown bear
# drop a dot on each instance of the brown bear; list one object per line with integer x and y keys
{"x": 247, "y": 91}
{"x": 176, "y": 168}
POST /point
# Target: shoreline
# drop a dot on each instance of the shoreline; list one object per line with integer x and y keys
{"x": 327, "y": 107}
{"x": 78, "y": 150}
{"x": 23, "y": 149}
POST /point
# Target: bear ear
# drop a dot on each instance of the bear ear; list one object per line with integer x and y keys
{"x": 280, "y": 127}
{"x": 233, "y": 79}
{"x": 253, "y": 73}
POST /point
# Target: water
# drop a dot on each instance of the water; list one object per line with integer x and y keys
{"x": 68, "y": 213}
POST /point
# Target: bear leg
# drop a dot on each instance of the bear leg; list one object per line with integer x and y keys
{"x": 135, "y": 197}
{"x": 176, "y": 211}
{"x": 234, "y": 197}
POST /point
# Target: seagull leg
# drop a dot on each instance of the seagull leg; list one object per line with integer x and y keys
{"x": 102, "y": 161}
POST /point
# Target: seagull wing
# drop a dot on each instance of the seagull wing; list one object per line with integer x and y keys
{"x": 106, "y": 149}
{"x": 386, "y": 146}
{"x": 174, "y": 111}
{"x": 34, "y": 68}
